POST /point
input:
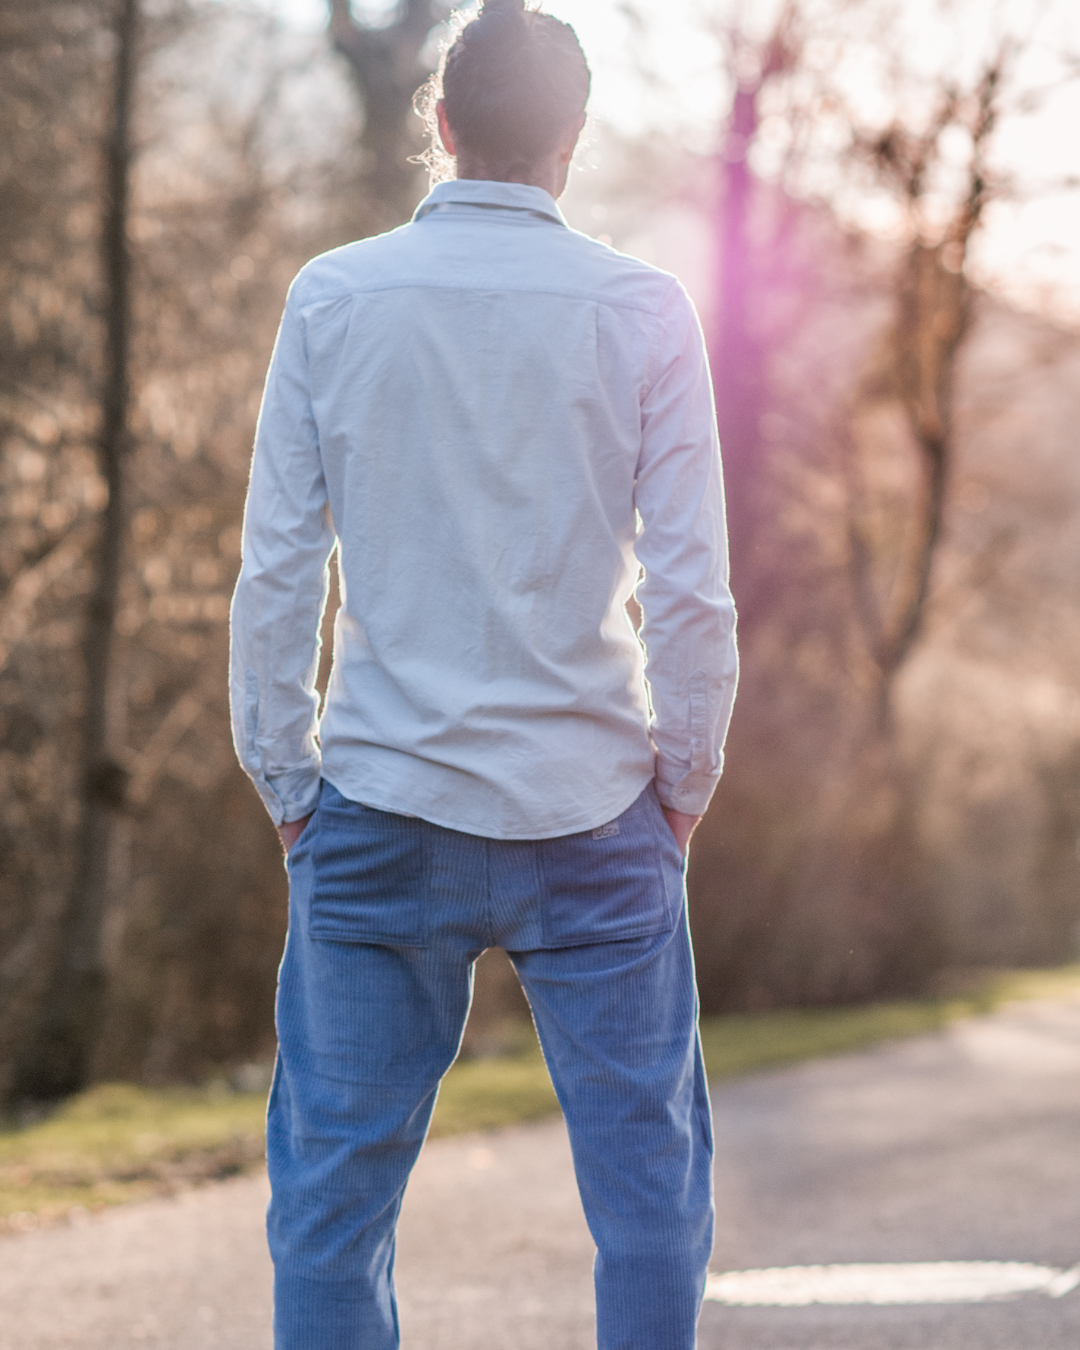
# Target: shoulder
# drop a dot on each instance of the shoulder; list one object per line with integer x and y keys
{"x": 621, "y": 280}
{"x": 560, "y": 259}
{"x": 334, "y": 274}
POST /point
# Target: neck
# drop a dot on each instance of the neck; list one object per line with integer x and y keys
{"x": 549, "y": 174}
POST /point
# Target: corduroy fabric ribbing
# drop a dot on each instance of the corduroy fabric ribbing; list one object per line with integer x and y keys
{"x": 387, "y": 916}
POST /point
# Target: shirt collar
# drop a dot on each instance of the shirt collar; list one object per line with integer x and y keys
{"x": 498, "y": 196}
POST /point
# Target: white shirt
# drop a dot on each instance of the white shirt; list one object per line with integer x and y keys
{"x": 499, "y": 421}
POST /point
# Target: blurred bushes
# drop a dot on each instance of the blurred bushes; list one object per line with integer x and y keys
{"x": 229, "y": 201}
{"x": 841, "y": 860}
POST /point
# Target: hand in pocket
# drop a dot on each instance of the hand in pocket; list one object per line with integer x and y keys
{"x": 681, "y": 825}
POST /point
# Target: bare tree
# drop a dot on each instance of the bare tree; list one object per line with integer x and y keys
{"x": 738, "y": 347}
{"x": 385, "y": 65}
{"x": 916, "y": 366}
{"x": 56, "y": 1056}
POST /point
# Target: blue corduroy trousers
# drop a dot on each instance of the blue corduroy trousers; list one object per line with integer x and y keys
{"x": 387, "y": 916}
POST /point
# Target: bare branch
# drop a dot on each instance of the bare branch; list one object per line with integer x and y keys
{"x": 31, "y": 584}
{"x": 145, "y": 765}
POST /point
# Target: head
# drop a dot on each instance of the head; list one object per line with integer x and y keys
{"x": 511, "y": 106}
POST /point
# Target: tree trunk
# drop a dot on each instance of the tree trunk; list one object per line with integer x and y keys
{"x": 737, "y": 348}
{"x": 56, "y": 1053}
{"x": 933, "y": 314}
{"x": 385, "y": 66}
{"x": 736, "y": 355}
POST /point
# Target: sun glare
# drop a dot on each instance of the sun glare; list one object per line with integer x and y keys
{"x": 658, "y": 66}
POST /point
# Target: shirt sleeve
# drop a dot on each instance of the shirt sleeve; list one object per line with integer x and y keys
{"x": 688, "y": 626}
{"x": 281, "y": 593}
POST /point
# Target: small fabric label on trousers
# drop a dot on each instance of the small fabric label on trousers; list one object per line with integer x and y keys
{"x": 606, "y": 831}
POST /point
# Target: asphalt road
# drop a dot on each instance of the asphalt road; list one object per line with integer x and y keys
{"x": 964, "y": 1146}
{"x": 957, "y": 1147}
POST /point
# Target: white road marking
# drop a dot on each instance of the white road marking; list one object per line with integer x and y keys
{"x": 911, "y": 1282}
{"x": 1064, "y": 1283}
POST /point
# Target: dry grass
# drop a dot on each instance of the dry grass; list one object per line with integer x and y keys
{"x": 120, "y": 1142}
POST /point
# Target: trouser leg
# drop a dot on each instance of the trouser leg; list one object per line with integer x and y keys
{"x": 366, "y": 1031}
{"x": 618, "y": 1023}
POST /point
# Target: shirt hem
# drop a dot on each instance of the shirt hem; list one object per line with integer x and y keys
{"x": 593, "y": 820}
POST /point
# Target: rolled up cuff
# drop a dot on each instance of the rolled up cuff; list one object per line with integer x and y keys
{"x": 688, "y": 792}
{"x": 293, "y": 795}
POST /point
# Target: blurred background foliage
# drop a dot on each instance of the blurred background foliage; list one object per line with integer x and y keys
{"x": 902, "y": 793}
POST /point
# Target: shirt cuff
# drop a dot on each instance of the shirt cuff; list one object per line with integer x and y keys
{"x": 293, "y": 795}
{"x": 682, "y": 790}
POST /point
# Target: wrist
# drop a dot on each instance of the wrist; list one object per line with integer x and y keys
{"x": 290, "y": 831}
{"x": 681, "y": 825}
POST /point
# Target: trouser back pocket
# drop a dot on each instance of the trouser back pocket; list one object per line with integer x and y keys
{"x": 370, "y": 875}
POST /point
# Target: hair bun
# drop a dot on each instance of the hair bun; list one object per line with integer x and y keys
{"x": 514, "y": 84}
{"x": 511, "y": 8}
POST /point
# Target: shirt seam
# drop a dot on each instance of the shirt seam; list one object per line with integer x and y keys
{"x": 655, "y": 311}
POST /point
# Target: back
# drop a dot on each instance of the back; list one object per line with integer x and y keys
{"x": 476, "y": 384}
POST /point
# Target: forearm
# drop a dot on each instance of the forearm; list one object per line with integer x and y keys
{"x": 274, "y": 657}
{"x": 692, "y": 669}
{"x": 282, "y": 589}
{"x": 688, "y": 626}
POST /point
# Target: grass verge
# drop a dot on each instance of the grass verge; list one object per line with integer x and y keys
{"x": 119, "y": 1142}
